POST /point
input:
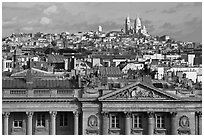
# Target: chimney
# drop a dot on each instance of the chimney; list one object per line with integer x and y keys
{"x": 79, "y": 81}
{"x": 29, "y": 78}
{"x": 29, "y": 63}
{"x": 147, "y": 79}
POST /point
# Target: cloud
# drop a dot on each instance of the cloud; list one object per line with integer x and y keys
{"x": 169, "y": 11}
{"x": 27, "y": 28}
{"x": 194, "y": 22}
{"x": 150, "y": 11}
{"x": 149, "y": 25}
{"x": 51, "y": 10}
{"x": 45, "y": 21}
{"x": 167, "y": 25}
{"x": 174, "y": 9}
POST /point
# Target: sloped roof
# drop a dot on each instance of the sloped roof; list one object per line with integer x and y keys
{"x": 20, "y": 83}
{"x": 34, "y": 72}
{"x": 55, "y": 58}
{"x": 110, "y": 72}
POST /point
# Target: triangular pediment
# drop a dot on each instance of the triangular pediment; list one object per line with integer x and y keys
{"x": 139, "y": 91}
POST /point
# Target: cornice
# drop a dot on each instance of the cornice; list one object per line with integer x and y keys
{"x": 38, "y": 100}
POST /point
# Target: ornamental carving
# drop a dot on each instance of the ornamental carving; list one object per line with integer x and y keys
{"x": 53, "y": 113}
{"x": 199, "y": 114}
{"x": 105, "y": 114}
{"x": 138, "y": 131}
{"x": 92, "y": 121}
{"x": 115, "y": 131}
{"x": 29, "y": 114}
{"x": 92, "y": 125}
{"x": 182, "y": 131}
{"x": 92, "y": 132}
{"x": 173, "y": 114}
{"x": 128, "y": 114}
{"x": 136, "y": 93}
{"x": 150, "y": 114}
{"x": 6, "y": 114}
{"x": 184, "y": 126}
{"x": 184, "y": 122}
{"x": 160, "y": 131}
{"x": 76, "y": 113}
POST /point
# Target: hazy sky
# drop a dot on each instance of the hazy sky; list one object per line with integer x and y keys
{"x": 182, "y": 21}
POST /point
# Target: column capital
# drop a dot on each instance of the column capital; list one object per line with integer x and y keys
{"x": 76, "y": 113}
{"x": 199, "y": 113}
{"x": 6, "y": 114}
{"x": 150, "y": 114}
{"x": 53, "y": 113}
{"x": 29, "y": 114}
{"x": 128, "y": 114}
{"x": 105, "y": 114}
{"x": 173, "y": 114}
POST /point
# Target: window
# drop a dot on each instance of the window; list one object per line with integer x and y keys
{"x": 40, "y": 120}
{"x": 18, "y": 124}
{"x": 137, "y": 121}
{"x": 106, "y": 64}
{"x": 7, "y": 65}
{"x": 159, "y": 121}
{"x": 114, "y": 121}
{"x": 63, "y": 120}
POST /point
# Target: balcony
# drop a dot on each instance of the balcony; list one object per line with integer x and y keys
{"x": 137, "y": 131}
{"x": 40, "y": 93}
{"x": 114, "y": 131}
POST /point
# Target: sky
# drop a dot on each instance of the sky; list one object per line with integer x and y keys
{"x": 180, "y": 20}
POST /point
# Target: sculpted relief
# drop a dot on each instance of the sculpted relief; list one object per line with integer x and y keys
{"x": 184, "y": 126}
{"x": 92, "y": 124}
{"x": 92, "y": 121}
{"x": 137, "y": 93}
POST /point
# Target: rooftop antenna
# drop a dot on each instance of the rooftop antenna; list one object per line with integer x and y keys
{"x": 50, "y": 38}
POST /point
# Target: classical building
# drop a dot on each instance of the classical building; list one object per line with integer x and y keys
{"x": 37, "y": 103}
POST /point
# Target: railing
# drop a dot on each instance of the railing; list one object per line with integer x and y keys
{"x": 63, "y": 91}
{"x": 24, "y": 93}
{"x": 18, "y": 92}
{"x": 41, "y": 92}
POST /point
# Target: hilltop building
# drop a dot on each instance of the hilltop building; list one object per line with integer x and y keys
{"x": 135, "y": 28}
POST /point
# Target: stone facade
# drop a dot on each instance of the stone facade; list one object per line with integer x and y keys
{"x": 136, "y": 109}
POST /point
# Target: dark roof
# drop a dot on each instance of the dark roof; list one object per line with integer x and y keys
{"x": 110, "y": 72}
{"x": 20, "y": 83}
{"x": 6, "y": 73}
{"x": 67, "y": 50}
{"x": 56, "y": 58}
{"x": 49, "y": 50}
{"x": 113, "y": 56}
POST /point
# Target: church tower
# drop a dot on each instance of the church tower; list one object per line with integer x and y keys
{"x": 138, "y": 24}
{"x": 127, "y": 25}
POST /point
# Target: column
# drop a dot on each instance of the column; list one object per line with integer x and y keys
{"x": 173, "y": 123}
{"x": 6, "y": 122}
{"x": 127, "y": 123}
{"x": 53, "y": 122}
{"x": 76, "y": 122}
{"x": 150, "y": 123}
{"x": 200, "y": 122}
{"x": 29, "y": 123}
{"x": 105, "y": 123}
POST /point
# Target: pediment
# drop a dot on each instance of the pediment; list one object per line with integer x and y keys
{"x": 138, "y": 91}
